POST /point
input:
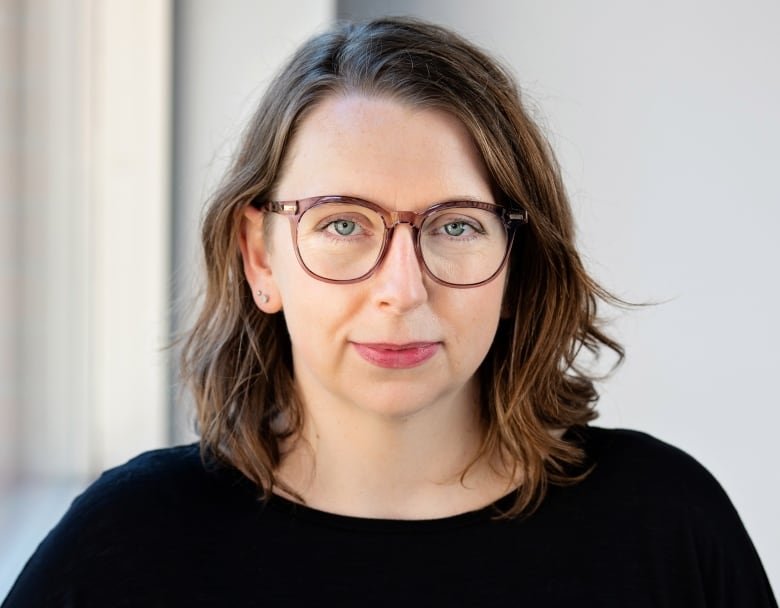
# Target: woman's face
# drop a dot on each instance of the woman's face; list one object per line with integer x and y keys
{"x": 396, "y": 343}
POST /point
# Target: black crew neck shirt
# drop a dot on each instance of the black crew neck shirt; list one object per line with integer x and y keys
{"x": 648, "y": 527}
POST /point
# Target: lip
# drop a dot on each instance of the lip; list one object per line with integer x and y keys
{"x": 397, "y": 356}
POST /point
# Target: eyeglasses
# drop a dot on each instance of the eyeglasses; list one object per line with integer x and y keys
{"x": 342, "y": 239}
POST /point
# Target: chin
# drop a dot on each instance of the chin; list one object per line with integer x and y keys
{"x": 396, "y": 404}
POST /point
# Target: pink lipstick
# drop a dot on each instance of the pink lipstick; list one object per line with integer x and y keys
{"x": 397, "y": 356}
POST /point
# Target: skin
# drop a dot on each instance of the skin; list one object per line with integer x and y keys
{"x": 381, "y": 442}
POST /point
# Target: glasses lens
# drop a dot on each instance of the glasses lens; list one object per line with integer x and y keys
{"x": 463, "y": 245}
{"x": 340, "y": 241}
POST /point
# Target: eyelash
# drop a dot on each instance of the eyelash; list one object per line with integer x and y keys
{"x": 476, "y": 229}
{"x": 324, "y": 226}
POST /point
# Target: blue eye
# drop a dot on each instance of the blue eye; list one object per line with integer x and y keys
{"x": 343, "y": 227}
{"x": 455, "y": 228}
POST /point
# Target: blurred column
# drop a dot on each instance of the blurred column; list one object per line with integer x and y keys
{"x": 53, "y": 230}
{"x": 10, "y": 114}
{"x": 131, "y": 79}
{"x": 92, "y": 223}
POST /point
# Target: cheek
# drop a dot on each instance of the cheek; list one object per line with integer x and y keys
{"x": 487, "y": 317}
{"x": 487, "y": 301}
{"x": 316, "y": 313}
{"x": 476, "y": 318}
{"x": 288, "y": 276}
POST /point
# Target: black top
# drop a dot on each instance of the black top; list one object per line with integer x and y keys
{"x": 648, "y": 527}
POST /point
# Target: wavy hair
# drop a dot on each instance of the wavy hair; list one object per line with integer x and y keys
{"x": 237, "y": 360}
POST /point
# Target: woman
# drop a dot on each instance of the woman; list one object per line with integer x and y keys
{"x": 386, "y": 370}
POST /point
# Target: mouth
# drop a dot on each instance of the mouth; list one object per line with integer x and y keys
{"x": 397, "y": 356}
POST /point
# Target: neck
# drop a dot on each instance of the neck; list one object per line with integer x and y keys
{"x": 358, "y": 462}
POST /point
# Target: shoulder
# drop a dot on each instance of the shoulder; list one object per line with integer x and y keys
{"x": 150, "y": 511}
{"x": 144, "y": 481}
{"x": 149, "y": 472}
{"x": 143, "y": 494}
{"x": 636, "y": 445}
{"x": 666, "y": 506}
{"x": 654, "y": 480}
{"x": 625, "y": 453}
{"x": 158, "y": 483}
{"x": 166, "y": 464}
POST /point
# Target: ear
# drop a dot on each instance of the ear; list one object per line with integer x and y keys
{"x": 257, "y": 260}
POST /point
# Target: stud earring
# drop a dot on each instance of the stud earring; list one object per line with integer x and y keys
{"x": 263, "y": 297}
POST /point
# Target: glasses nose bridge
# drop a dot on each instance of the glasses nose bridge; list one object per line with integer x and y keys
{"x": 402, "y": 217}
{"x": 393, "y": 219}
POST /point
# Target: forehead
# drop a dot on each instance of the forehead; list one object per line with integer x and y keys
{"x": 385, "y": 151}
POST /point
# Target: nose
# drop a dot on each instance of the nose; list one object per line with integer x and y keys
{"x": 397, "y": 285}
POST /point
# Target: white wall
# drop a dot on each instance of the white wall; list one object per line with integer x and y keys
{"x": 665, "y": 118}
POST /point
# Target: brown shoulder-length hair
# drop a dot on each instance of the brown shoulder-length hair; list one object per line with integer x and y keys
{"x": 237, "y": 360}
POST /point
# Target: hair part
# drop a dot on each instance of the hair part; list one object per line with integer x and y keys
{"x": 238, "y": 360}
